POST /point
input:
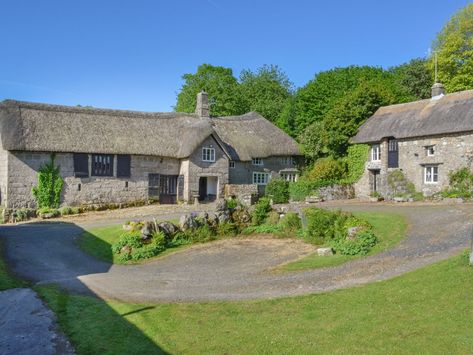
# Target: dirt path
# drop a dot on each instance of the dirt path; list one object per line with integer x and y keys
{"x": 234, "y": 269}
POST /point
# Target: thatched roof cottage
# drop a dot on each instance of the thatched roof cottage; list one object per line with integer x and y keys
{"x": 116, "y": 156}
{"x": 424, "y": 139}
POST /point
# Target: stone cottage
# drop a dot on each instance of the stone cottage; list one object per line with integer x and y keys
{"x": 115, "y": 156}
{"x": 425, "y": 139}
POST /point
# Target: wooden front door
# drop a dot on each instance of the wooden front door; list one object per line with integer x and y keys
{"x": 162, "y": 188}
{"x": 202, "y": 188}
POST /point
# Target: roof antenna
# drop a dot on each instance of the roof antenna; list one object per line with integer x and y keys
{"x": 436, "y": 66}
{"x": 438, "y": 90}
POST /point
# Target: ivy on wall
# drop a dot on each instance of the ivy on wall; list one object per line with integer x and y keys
{"x": 355, "y": 162}
{"x": 48, "y": 192}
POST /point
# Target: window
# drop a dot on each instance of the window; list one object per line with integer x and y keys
{"x": 287, "y": 161}
{"x": 430, "y": 150}
{"x": 290, "y": 177}
{"x": 232, "y": 164}
{"x": 81, "y": 165}
{"x": 260, "y": 178}
{"x": 123, "y": 165}
{"x": 376, "y": 153}
{"x": 257, "y": 161}
{"x": 102, "y": 165}
{"x": 431, "y": 174}
{"x": 208, "y": 154}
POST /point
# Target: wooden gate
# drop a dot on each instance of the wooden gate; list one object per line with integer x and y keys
{"x": 162, "y": 188}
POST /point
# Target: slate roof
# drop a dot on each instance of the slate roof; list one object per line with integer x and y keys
{"x": 26, "y": 126}
{"x": 452, "y": 113}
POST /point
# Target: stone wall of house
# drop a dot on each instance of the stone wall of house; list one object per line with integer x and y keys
{"x": 23, "y": 174}
{"x": 194, "y": 168}
{"x": 337, "y": 192}
{"x": 452, "y": 152}
{"x": 246, "y": 193}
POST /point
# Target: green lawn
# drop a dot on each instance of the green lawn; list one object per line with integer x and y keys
{"x": 427, "y": 311}
{"x": 98, "y": 243}
{"x": 389, "y": 228}
{"x": 6, "y": 280}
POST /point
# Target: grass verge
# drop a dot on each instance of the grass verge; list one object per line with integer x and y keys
{"x": 427, "y": 311}
{"x": 389, "y": 228}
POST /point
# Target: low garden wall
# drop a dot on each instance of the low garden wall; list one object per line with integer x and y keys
{"x": 245, "y": 193}
{"x": 337, "y": 192}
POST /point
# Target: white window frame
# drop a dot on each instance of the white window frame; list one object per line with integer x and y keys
{"x": 290, "y": 177}
{"x": 231, "y": 164}
{"x": 430, "y": 150}
{"x": 257, "y": 161}
{"x": 431, "y": 174}
{"x": 376, "y": 152}
{"x": 208, "y": 154}
{"x": 260, "y": 178}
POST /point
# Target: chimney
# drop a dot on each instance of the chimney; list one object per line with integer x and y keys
{"x": 438, "y": 90}
{"x": 202, "y": 106}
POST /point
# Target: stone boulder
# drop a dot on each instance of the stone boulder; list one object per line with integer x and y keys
{"x": 471, "y": 258}
{"x": 221, "y": 206}
{"x": 353, "y": 231}
{"x": 168, "y": 229}
{"x": 148, "y": 229}
{"x": 188, "y": 222}
{"x": 324, "y": 251}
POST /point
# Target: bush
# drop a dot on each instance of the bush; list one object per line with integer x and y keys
{"x": 231, "y": 203}
{"x": 262, "y": 208}
{"x": 461, "y": 184}
{"x": 291, "y": 222}
{"x": 360, "y": 245}
{"x": 302, "y": 188}
{"x": 53, "y": 212}
{"x": 65, "y": 211}
{"x": 324, "y": 225}
{"x": 227, "y": 229}
{"x": 130, "y": 246}
{"x": 273, "y": 218}
{"x": 23, "y": 214}
{"x": 278, "y": 190}
{"x": 327, "y": 169}
{"x": 48, "y": 192}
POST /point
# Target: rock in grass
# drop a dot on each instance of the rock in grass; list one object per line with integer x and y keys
{"x": 471, "y": 258}
{"x": 324, "y": 251}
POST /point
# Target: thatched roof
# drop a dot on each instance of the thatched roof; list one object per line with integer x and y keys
{"x": 452, "y": 113}
{"x": 52, "y": 128}
{"x": 252, "y": 136}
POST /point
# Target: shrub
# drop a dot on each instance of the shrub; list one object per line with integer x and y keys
{"x": 136, "y": 248}
{"x": 64, "y": 211}
{"x": 53, "y": 212}
{"x": 48, "y": 192}
{"x": 263, "y": 229}
{"x": 302, "y": 188}
{"x": 360, "y": 245}
{"x": 278, "y": 190}
{"x": 273, "y": 218}
{"x": 262, "y": 208}
{"x": 327, "y": 169}
{"x": 23, "y": 214}
{"x": 227, "y": 229}
{"x": 291, "y": 222}
{"x": 324, "y": 225}
{"x": 231, "y": 203}
{"x": 460, "y": 184}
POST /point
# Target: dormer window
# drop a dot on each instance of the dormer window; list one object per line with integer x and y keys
{"x": 375, "y": 152}
{"x": 430, "y": 150}
{"x": 208, "y": 155}
{"x": 257, "y": 161}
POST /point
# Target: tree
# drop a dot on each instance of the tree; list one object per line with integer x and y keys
{"x": 266, "y": 91}
{"x": 454, "y": 48}
{"x": 415, "y": 76}
{"x": 220, "y": 85}
{"x": 321, "y": 94}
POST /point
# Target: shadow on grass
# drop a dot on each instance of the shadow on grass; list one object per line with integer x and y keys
{"x": 45, "y": 254}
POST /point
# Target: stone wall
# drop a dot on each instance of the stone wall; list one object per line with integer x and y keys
{"x": 452, "y": 152}
{"x": 23, "y": 174}
{"x": 3, "y": 175}
{"x": 337, "y": 192}
{"x": 246, "y": 193}
{"x": 194, "y": 168}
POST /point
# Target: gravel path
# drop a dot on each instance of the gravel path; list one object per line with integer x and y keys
{"x": 237, "y": 269}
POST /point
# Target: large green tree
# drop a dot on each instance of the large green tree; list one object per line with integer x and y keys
{"x": 265, "y": 91}
{"x": 454, "y": 49}
{"x": 220, "y": 85}
{"x": 415, "y": 76}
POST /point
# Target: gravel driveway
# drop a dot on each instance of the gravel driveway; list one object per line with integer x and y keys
{"x": 236, "y": 269}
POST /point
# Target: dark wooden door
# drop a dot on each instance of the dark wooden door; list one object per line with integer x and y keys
{"x": 168, "y": 189}
{"x": 393, "y": 154}
{"x": 202, "y": 188}
{"x": 153, "y": 186}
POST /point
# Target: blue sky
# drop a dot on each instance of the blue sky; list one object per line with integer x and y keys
{"x": 132, "y": 54}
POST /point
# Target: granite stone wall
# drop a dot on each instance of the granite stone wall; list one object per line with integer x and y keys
{"x": 3, "y": 175}
{"x": 23, "y": 170}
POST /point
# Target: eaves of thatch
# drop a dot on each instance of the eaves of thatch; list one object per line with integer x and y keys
{"x": 452, "y": 113}
{"x": 26, "y": 126}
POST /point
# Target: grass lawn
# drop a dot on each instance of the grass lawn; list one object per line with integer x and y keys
{"x": 389, "y": 228}
{"x": 6, "y": 280}
{"x": 98, "y": 243}
{"x": 427, "y": 311}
